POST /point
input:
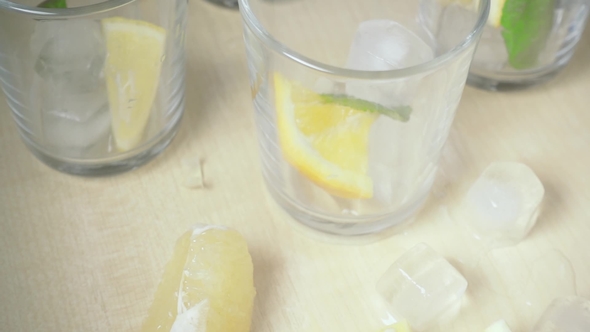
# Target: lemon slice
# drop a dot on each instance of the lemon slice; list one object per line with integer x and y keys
{"x": 207, "y": 286}
{"x": 326, "y": 142}
{"x": 495, "y": 17}
{"x": 496, "y": 7}
{"x": 135, "y": 50}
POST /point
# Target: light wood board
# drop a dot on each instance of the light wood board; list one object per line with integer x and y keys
{"x": 86, "y": 254}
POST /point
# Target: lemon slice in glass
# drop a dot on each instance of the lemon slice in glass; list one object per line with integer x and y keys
{"x": 326, "y": 142}
{"x": 135, "y": 50}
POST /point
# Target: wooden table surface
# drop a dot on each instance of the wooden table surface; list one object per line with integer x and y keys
{"x": 86, "y": 254}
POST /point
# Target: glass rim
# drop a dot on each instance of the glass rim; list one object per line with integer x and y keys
{"x": 268, "y": 39}
{"x": 60, "y": 13}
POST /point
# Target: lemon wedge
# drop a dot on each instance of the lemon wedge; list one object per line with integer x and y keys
{"x": 207, "y": 286}
{"x": 135, "y": 50}
{"x": 496, "y": 8}
{"x": 326, "y": 142}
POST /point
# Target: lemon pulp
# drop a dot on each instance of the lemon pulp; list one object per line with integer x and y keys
{"x": 207, "y": 285}
{"x": 328, "y": 143}
{"x": 135, "y": 51}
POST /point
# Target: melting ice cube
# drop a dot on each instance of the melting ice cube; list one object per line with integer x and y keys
{"x": 491, "y": 51}
{"x": 71, "y": 53}
{"x": 421, "y": 286}
{"x": 385, "y": 45}
{"x": 504, "y": 203}
{"x": 569, "y": 314}
{"x": 68, "y": 84}
{"x": 456, "y": 22}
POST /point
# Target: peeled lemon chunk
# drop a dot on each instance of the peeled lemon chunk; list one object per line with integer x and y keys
{"x": 207, "y": 286}
{"x": 326, "y": 142}
{"x": 135, "y": 50}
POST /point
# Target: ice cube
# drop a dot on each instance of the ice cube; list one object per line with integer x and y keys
{"x": 386, "y": 165}
{"x": 62, "y": 129}
{"x": 491, "y": 51}
{"x": 504, "y": 202}
{"x": 68, "y": 85}
{"x": 71, "y": 119}
{"x": 389, "y": 167}
{"x": 397, "y": 165}
{"x": 455, "y": 24}
{"x": 385, "y": 45}
{"x": 421, "y": 286}
{"x": 72, "y": 53}
{"x": 569, "y": 314}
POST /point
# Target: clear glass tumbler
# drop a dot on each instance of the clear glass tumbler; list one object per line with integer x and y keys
{"x": 97, "y": 87}
{"x": 527, "y": 42}
{"x": 354, "y": 100}
{"x": 225, "y": 3}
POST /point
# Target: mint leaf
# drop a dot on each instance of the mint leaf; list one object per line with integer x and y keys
{"x": 527, "y": 24}
{"x": 53, "y": 4}
{"x": 401, "y": 113}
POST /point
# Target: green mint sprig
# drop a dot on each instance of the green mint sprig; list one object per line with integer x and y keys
{"x": 53, "y": 4}
{"x": 526, "y": 26}
{"x": 401, "y": 113}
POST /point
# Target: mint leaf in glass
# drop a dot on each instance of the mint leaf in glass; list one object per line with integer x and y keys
{"x": 526, "y": 26}
{"x": 53, "y": 4}
{"x": 401, "y": 113}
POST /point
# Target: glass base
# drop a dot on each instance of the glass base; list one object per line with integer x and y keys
{"x": 226, "y": 3}
{"x": 504, "y": 82}
{"x": 347, "y": 226}
{"x": 111, "y": 166}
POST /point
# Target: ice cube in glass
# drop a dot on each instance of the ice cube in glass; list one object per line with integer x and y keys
{"x": 385, "y": 45}
{"x": 68, "y": 85}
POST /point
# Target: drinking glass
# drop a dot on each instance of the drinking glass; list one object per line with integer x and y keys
{"x": 523, "y": 46}
{"x": 353, "y": 102}
{"x": 225, "y": 3}
{"x": 97, "y": 87}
